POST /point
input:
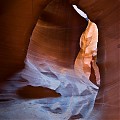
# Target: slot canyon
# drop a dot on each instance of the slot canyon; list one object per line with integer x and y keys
{"x": 40, "y": 43}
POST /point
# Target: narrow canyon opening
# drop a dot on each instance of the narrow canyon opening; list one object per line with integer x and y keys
{"x": 55, "y": 42}
{"x": 47, "y": 56}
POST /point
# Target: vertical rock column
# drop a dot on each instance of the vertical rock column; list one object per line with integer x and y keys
{"x": 87, "y": 56}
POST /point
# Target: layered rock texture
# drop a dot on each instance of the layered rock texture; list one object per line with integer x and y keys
{"x": 87, "y": 56}
{"x": 57, "y": 38}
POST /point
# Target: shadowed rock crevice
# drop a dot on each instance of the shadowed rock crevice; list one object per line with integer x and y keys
{"x": 18, "y": 18}
{"x": 31, "y": 92}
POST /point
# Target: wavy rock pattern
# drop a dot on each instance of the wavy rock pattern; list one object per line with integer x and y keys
{"x": 18, "y": 18}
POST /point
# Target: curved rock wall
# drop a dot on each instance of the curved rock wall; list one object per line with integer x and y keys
{"x": 105, "y": 14}
{"x": 18, "y": 18}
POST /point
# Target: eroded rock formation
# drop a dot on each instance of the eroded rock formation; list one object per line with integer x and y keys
{"x": 18, "y": 18}
{"x": 88, "y": 54}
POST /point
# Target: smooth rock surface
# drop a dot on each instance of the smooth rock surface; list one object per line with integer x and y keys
{"x": 18, "y": 18}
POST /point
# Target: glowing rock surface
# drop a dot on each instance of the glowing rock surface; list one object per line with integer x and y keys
{"x": 78, "y": 92}
{"x": 17, "y": 20}
{"x": 87, "y": 56}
